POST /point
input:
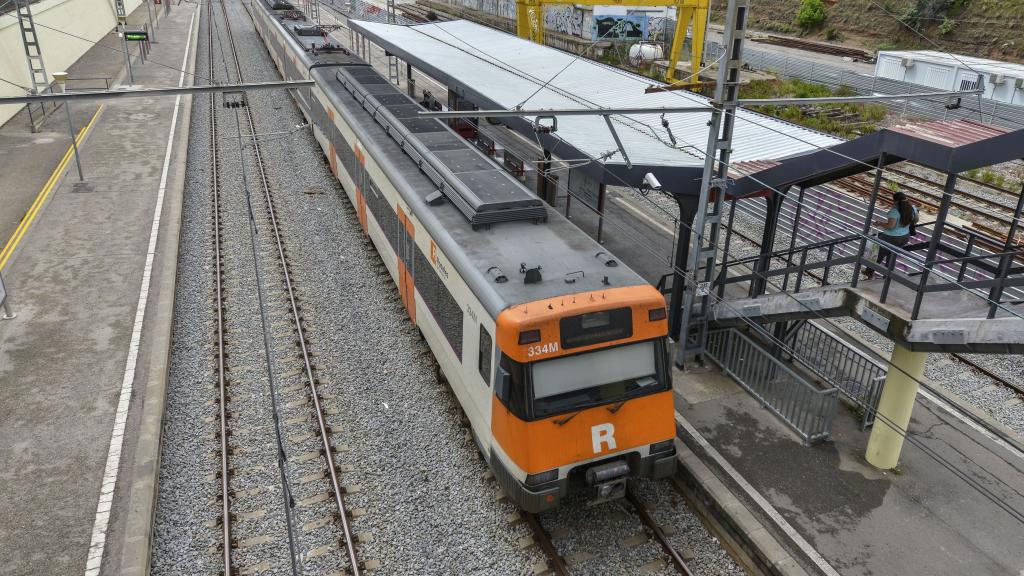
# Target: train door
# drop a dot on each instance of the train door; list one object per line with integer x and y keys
{"x": 406, "y": 254}
{"x": 481, "y": 384}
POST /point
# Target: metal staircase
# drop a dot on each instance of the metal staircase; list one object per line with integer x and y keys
{"x": 37, "y": 113}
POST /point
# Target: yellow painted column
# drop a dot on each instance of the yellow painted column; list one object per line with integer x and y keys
{"x": 700, "y": 21}
{"x": 683, "y": 17}
{"x": 530, "y": 20}
{"x": 894, "y": 408}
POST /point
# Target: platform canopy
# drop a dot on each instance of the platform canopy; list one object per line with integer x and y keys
{"x": 949, "y": 146}
{"x": 495, "y": 70}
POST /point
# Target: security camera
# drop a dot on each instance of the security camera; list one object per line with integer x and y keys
{"x": 651, "y": 181}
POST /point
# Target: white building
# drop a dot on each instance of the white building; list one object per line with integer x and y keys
{"x": 1002, "y": 81}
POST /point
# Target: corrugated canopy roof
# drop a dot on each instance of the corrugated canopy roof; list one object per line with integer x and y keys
{"x": 501, "y": 70}
{"x": 951, "y": 133}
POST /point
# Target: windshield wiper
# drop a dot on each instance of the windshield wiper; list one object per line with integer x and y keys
{"x": 617, "y": 407}
{"x": 562, "y": 421}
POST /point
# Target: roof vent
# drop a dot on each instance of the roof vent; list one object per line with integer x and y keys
{"x": 531, "y": 275}
{"x": 497, "y": 274}
{"x": 435, "y": 198}
{"x": 572, "y": 277}
{"x": 606, "y": 259}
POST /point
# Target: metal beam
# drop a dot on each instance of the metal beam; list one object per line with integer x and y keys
{"x": 563, "y": 112}
{"x": 146, "y": 92}
{"x": 849, "y": 99}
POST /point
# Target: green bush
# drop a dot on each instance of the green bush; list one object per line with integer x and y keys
{"x": 833, "y": 35}
{"x": 811, "y": 14}
{"x": 947, "y": 26}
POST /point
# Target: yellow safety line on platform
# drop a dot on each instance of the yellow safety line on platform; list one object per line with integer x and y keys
{"x": 23, "y": 226}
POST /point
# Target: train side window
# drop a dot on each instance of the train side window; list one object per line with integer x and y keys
{"x": 485, "y": 353}
{"x": 515, "y": 395}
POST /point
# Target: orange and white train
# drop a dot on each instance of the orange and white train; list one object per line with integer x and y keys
{"x": 556, "y": 352}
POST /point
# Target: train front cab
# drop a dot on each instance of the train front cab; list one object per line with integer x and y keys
{"x": 582, "y": 397}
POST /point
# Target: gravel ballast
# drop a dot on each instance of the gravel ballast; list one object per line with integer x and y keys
{"x": 417, "y": 486}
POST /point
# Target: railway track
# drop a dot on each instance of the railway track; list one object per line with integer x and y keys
{"x": 311, "y": 492}
{"x": 558, "y": 565}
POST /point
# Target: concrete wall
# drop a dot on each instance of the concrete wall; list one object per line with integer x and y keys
{"x": 89, "y": 19}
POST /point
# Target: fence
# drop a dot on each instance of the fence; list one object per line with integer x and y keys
{"x": 820, "y": 352}
{"x": 807, "y": 409}
{"x": 983, "y": 109}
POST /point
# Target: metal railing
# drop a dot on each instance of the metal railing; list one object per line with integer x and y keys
{"x": 806, "y": 409}
{"x": 88, "y": 83}
{"x": 976, "y": 264}
{"x": 819, "y": 352}
{"x": 795, "y": 262}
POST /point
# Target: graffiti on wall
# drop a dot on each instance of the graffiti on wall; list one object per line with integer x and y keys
{"x": 567, "y": 20}
{"x": 564, "y": 19}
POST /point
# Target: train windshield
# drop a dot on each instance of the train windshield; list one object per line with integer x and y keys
{"x": 599, "y": 377}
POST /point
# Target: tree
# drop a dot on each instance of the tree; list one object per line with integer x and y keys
{"x": 811, "y": 14}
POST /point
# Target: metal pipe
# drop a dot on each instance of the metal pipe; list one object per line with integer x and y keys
{"x": 564, "y": 112}
{"x": 147, "y": 92}
{"x": 849, "y": 99}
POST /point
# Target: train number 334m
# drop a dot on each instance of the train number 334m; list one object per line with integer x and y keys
{"x": 542, "y": 349}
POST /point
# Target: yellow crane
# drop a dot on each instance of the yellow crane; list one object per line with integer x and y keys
{"x": 530, "y": 25}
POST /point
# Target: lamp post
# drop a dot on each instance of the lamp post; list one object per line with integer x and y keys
{"x": 122, "y": 21}
{"x": 62, "y": 78}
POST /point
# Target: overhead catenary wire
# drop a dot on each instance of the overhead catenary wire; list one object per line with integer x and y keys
{"x": 686, "y": 275}
{"x": 700, "y": 152}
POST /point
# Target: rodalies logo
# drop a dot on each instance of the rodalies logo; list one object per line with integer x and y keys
{"x": 602, "y": 434}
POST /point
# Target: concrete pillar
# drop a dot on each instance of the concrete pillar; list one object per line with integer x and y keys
{"x": 894, "y": 408}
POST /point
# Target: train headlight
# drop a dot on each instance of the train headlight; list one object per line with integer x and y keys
{"x": 663, "y": 446}
{"x": 529, "y": 336}
{"x": 656, "y": 314}
{"x": 542, "y": 478}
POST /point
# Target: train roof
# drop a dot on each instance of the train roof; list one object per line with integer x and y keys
{"x": 570, "y": 261}
{"x": 415, "y": 152}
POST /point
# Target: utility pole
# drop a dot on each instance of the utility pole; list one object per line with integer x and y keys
{"x": 707, "y": 221}
{"x": 62, "y": 79}
{"x": 122, "y": 20}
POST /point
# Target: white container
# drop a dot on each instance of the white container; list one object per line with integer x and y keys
{"x": 645, "y": 53}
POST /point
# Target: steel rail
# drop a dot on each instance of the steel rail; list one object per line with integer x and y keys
{"x": 543, "y": 539}
{"x": 219, "y": 290}
{"x": 332, "y": 468}
{"x": 659, "y": 534}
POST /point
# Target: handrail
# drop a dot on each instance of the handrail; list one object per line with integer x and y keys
{"x": 975, "y": 257}
{"x": 795, "y": 250}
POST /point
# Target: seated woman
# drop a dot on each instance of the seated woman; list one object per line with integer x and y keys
{"x": 899, "y": 220}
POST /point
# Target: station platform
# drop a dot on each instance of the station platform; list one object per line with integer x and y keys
{"x": 954, "y": 506}
{"x": 90, "y": 269}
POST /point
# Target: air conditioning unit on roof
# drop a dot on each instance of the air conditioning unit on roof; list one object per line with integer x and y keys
{"x": 996, "y": 78}
{"x": 907, "y": 62}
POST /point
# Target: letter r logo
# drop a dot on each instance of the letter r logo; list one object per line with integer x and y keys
{"x": 602, "y": 434}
